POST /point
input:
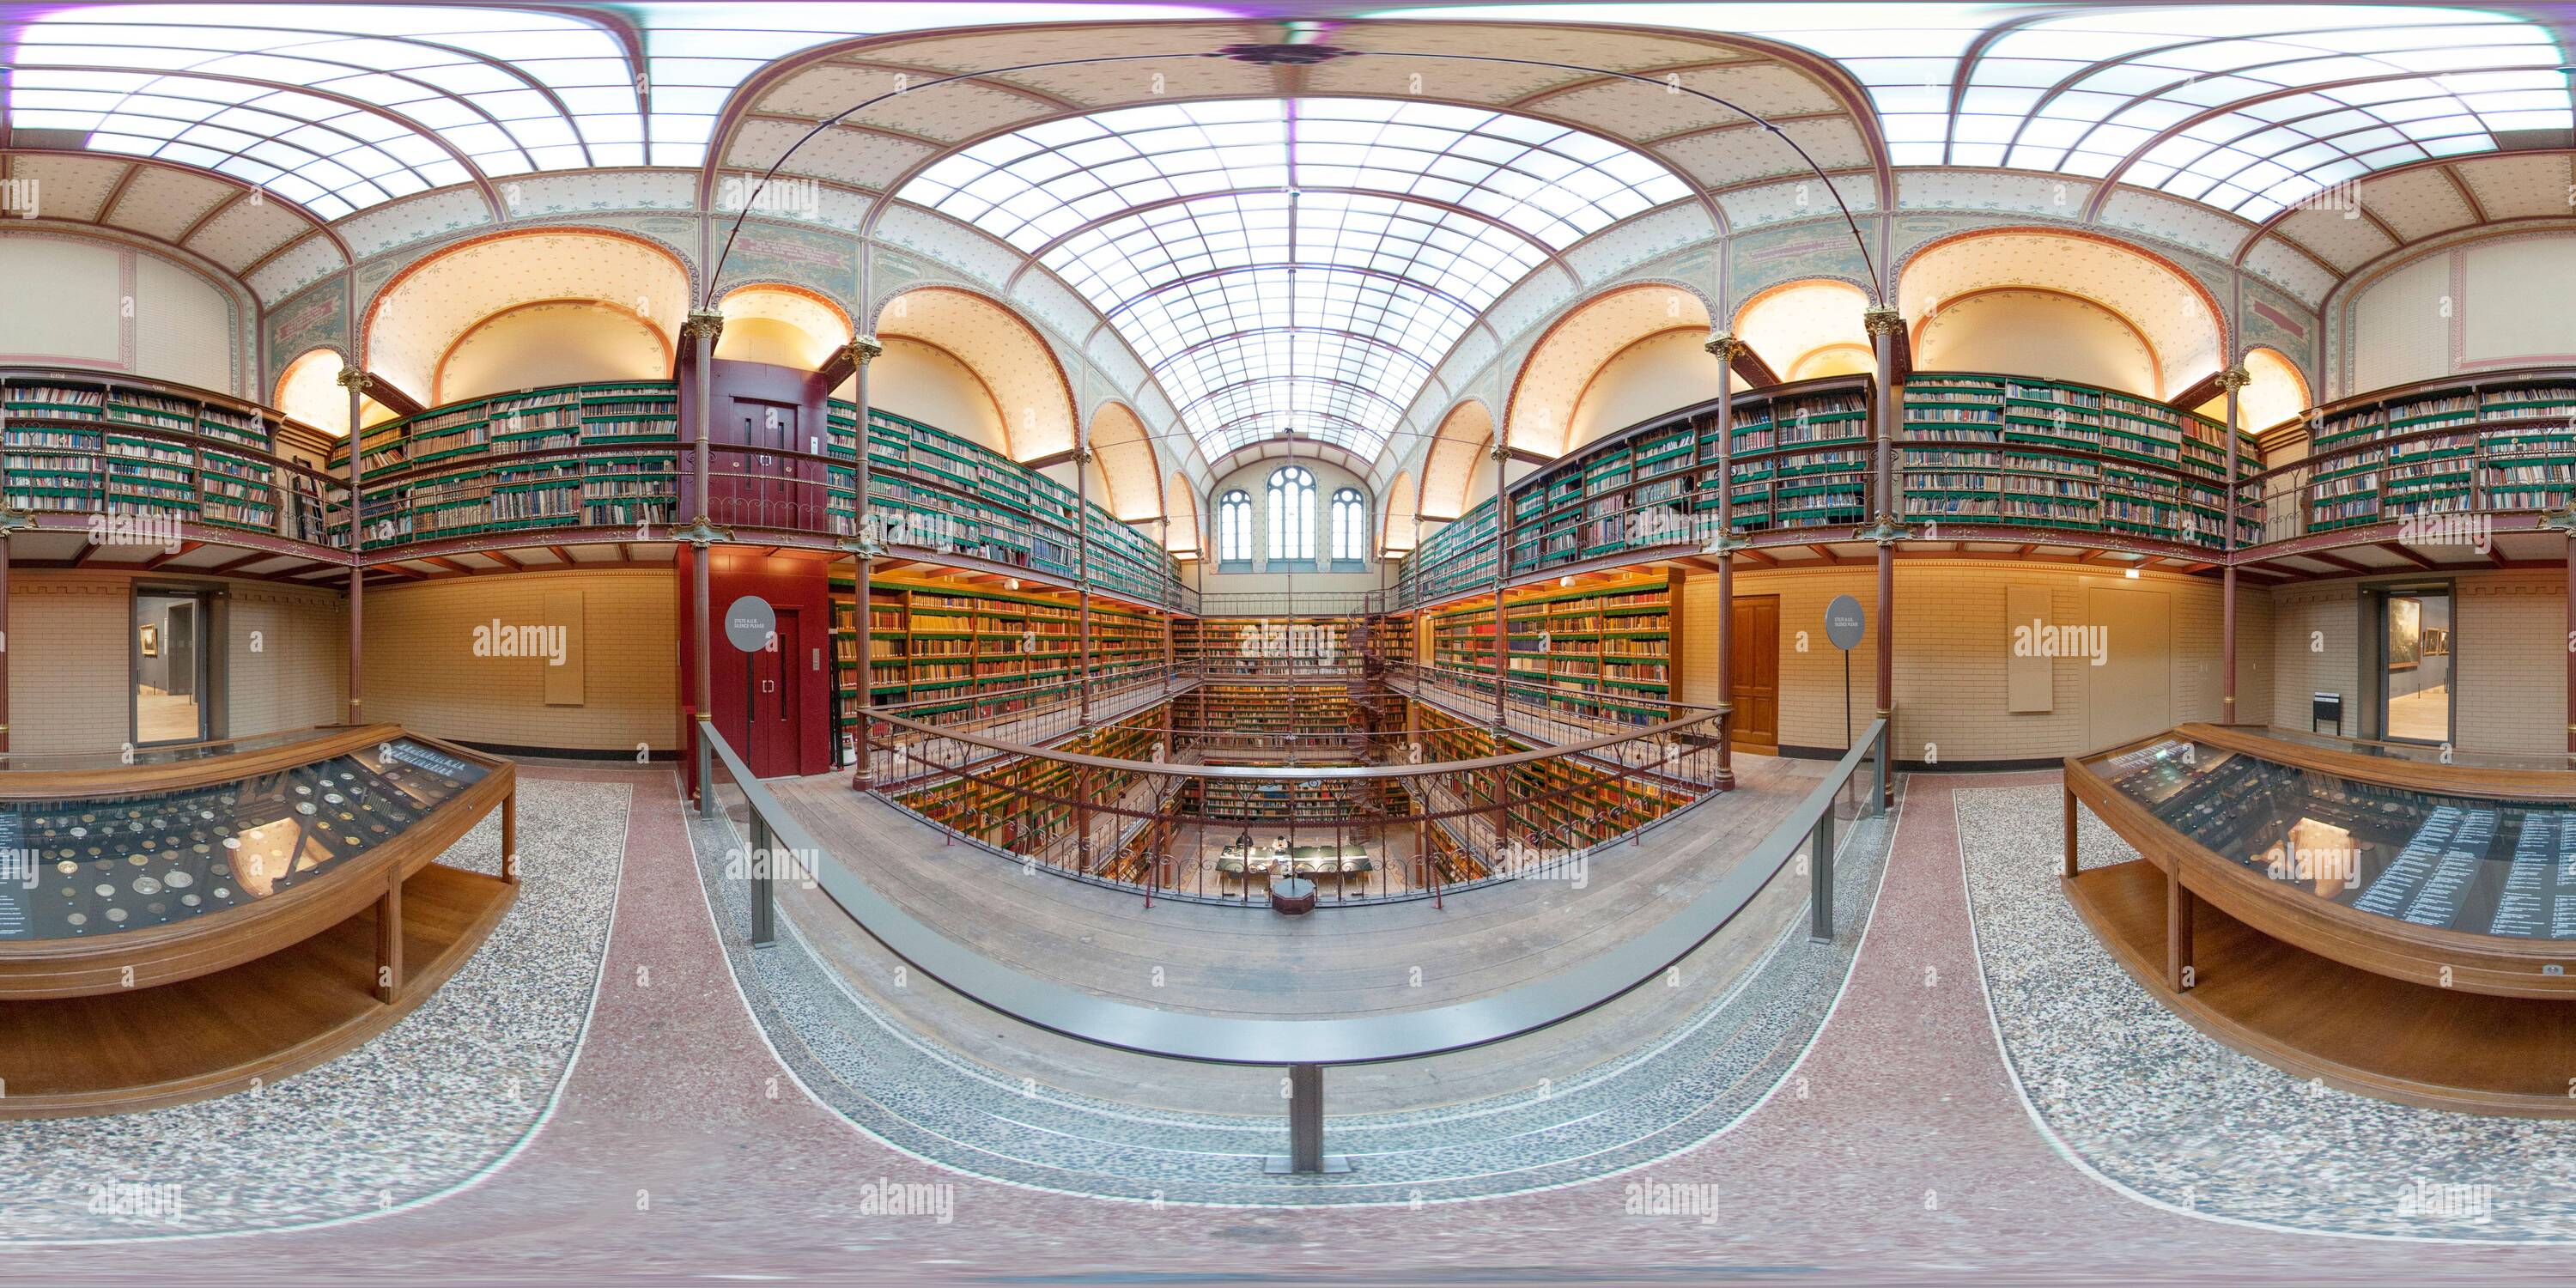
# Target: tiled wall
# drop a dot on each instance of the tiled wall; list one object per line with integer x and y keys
{"x": 285, "y": 659}
{"x": 1954, "y": 647}
{"x": 421, "y": 670}
{"x": 67, "y": 668}
{"x": 287, "y": 654}
{"x": 2509, "y": 657}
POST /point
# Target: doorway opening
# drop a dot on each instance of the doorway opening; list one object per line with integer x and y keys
{"x": 168, "y": 663}
{"x": 2418, "y": 687}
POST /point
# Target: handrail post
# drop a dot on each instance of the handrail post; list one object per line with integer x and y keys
{"x": 1879, "y": 797}
{"x": 764, "y": 893}
{"x": 1820, "y": 873}
{"x": 706, "y": 763}
{"x": 1306, "y": 1156}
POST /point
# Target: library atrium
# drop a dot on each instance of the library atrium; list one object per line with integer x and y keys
{"x": 998, "y": 641}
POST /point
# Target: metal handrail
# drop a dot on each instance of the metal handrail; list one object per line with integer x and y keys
{"x": 1306, "y": 1047}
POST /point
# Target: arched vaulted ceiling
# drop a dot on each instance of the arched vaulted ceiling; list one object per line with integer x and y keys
{"x": 255, "y": 122}
{"x": 1551, "y": 383}
{"x": 1021, "y": 373}
{"x": 414, "y": 320}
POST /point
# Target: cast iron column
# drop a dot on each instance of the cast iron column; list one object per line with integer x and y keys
{"x": 1502, "y": 570}
{"x": 1724, "y": 347}
{"x": 703, "y": 327}
{"x": 355, "y": 380}
{"x": 10, "y": 521}
{"x": 1883, "y": 322}
{"x": 864, "y": 547}
{"x": 2232, "y": 380}
{"x": 1082, "y": 678}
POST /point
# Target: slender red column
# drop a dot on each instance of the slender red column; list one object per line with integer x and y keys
{"x": 2233, "y": 380}
{"x": 703, "y": 328}
{"x": 1883, "y": 322}
{"x": 4, "y": 642}
{"x": 355, "y": 380}
{"x": 1724, "y": 347}
{"x": 865, "y": 543}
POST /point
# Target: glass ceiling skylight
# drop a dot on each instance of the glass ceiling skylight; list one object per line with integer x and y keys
{"x": 2250, "y": 108}
{"x": 335, "y": 107}
{"x": 1293, "y": 265}
{"x": 338, "y": 107}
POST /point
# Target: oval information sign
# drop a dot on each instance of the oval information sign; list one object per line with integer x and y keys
{"x": 750, "y": 623}
{"x": 1843, "y": 622}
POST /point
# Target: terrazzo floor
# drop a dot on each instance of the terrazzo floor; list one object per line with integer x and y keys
{"x": 2154, "y": 1105}
{"x": 1624, "y": 1112}
{"x": 443, "y": 1096}
{"x": 1898, "y": 1151}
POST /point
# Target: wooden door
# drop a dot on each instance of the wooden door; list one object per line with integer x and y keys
{"x": 1757, "y": 673}
{"x": 771, "y": 709}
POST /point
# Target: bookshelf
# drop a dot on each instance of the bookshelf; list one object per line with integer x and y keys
{"x": 2013, "y": 450}
{"x": 1259, "y": 711}
{"x": 1596, "y": 652}
{"x": 2504, "y": 442}
{"x": 78, "y": 443}
{"x": 2022, "y": 452}
{"x": 1007, "y": 809}
{"x": 957, "y": 651}
{"x": 1803, "y": 459}
{"x": 506, "y": 463}
{"x": 1563, "y": 802}
{"x": 1279, "y": 646}
{"x": 989, "y": 506}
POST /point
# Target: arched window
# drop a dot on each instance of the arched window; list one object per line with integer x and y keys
{"x": 1234, "y": 527}
{"x": 1350, "y": 526}
{"x": 1292, "y": 513}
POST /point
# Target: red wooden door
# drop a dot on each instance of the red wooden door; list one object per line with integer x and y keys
{"x": 771, "y": 710}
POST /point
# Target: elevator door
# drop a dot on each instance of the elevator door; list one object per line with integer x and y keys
{"x": 769, "y": 484}
{"x": 771, "y": 711}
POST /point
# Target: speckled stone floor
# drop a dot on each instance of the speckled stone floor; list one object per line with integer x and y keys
{"x": 1899, "y": 1151}
{"x": 442, "y": 1097}
{"x": 2155, "y": 1106}
{"x": 1610, "y": 1111}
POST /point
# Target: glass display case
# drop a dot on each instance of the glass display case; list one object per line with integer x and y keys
{"x": 2396, "y": 928}
{"x": 211, "y": 918}
{"x": 2452, "y": 861}
{"x": 94, "y": 866}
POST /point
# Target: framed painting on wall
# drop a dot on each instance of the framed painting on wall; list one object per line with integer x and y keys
{"x": 2405, "y": 633}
